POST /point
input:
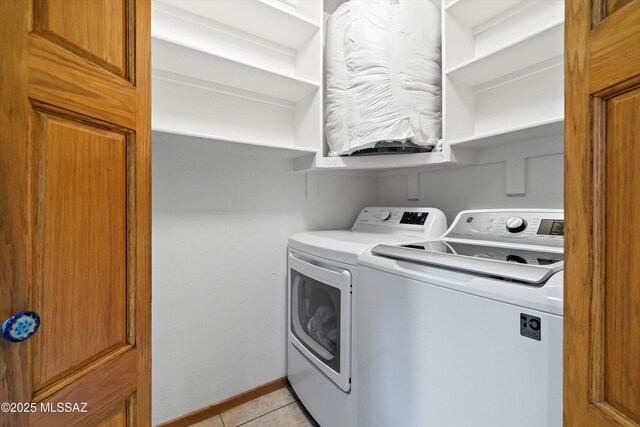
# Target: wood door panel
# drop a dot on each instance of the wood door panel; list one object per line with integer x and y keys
{"x": 75, "y": 212}
{"x": 613, "y": 6}
{"x": 61, "y": 78}
{"x": 602, "y": 195}
{"x": 85, "y": 32}
{"x": 609, "y": 63}
{"x": 80, "y": 285}
{"x": 117, "y": 418}
{"x": 622, "y": 284}
{"x": 117, "y": 384}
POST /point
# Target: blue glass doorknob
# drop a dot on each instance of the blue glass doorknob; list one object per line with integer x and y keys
{"x": 21, "y": 326}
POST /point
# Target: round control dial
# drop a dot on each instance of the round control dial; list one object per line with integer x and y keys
{"x": 516, "y": 224}
{"x": 385, "y": 215}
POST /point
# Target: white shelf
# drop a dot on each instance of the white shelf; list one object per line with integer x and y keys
{"x": 527, "y": 51}
{"x": 183, "y": 60}
{"x": 380, "y": 162}
{"x": 474, "y": 12}
{"x": 230, "y": 145}
{"x": 540, "y": 129}
{"x": 243, "y": 76}
{"x": 189, "y": 106}
{"x": 503, "y": 82}
{"x": 268, "y": 20}
{"x": 434, "y": 160}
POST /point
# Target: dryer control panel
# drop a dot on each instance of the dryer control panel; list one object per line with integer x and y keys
{"x": 531, "y": 227}
{"x": 417, "y": 221}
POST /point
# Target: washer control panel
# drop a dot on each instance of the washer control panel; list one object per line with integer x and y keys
{"x": 534, "y": 227}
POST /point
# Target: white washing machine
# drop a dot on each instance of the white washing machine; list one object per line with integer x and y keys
{"x": 465, "y": 330}
{"x": 322, "y": 288}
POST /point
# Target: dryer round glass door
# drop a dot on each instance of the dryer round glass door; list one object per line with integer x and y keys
{"x": 320, "y": 317}
{"x": 315, "y": 318}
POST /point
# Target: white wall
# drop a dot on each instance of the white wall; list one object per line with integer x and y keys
{"x": 479, "y": 187}
{"x": 220, "y": 228}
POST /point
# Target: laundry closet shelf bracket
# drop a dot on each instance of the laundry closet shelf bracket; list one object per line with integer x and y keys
{"x": 515, "y": 156}
{"x": 413, "y": 186}
{"x": 312, "y": 190}
{"x": 515, "y": 178}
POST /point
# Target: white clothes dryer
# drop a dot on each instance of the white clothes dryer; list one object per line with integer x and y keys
{"x": 321, "y": 275}
{"x": 465, "y": 330}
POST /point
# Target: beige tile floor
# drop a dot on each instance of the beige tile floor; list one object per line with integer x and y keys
{"x": 277, "y": 409}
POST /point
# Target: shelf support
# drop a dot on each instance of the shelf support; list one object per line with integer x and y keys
{"x": 515, "y": 178}
{"x": 413, "y": 186}
{"x": 312, "y": 186}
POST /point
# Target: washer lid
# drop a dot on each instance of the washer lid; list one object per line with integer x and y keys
{"x": 516, "y": 263}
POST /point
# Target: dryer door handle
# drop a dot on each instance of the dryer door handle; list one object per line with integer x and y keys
{"x": 324, "y": 275}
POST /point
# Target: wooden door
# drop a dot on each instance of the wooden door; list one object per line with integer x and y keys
{"x": 75, "y": 210}
{"x": 602, "y": 201}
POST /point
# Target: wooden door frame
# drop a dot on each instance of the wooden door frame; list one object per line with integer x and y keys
{"x": 14, "y": 194}
{"x": 579, "y": 219}
{"x": 143, "y": 209}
